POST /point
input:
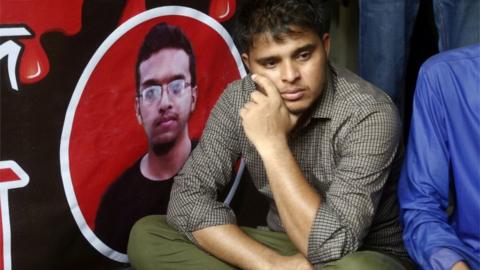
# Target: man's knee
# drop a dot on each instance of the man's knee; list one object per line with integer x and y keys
{"x": 142, "y": 242}
{"x": 143, "y": 228}
{"x": 155, "y": 245}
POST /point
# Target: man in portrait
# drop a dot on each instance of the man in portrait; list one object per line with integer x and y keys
{"x": 166, "y": 94}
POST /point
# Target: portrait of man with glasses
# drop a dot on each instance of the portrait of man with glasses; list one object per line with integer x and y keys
{"x": 166, "y": 96}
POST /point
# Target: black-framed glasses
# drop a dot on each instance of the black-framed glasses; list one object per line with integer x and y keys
{"x": 152, "y": 93}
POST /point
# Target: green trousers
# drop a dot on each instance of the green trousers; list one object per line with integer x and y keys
{"x": 153, "y": 244}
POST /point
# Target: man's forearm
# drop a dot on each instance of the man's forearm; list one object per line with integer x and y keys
{"x": 296, "y": 200}
{"x": 230, "y": 244}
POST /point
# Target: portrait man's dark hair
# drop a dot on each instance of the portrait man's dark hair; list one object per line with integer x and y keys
{"x": 163, "y": 36}
{"x": 278, "y": 18}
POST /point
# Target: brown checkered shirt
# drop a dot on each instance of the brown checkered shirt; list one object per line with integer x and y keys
{"x": 347, "y": 152}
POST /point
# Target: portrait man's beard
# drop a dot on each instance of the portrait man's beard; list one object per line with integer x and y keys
{"x": 161, "y": 149}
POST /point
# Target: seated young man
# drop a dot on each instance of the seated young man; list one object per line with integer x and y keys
{"x": 320, "y": 144}
{"x": 442, "y": 164}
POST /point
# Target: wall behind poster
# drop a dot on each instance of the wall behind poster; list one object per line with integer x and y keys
{"x": 59, "y": 78}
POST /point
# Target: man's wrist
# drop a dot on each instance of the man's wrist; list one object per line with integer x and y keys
{"x": 274, "y": 148}
{"x": 461, "y": 265}
{"x": 269, "y": 258}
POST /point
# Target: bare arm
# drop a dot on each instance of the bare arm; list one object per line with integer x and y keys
{"x": 267, "y": 123}
{"x": 296, "y": 200}
{"x": 230, "y": 244}
{"x": 234, "y": 246}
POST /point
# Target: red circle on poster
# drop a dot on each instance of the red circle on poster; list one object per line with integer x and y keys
{"x": 101, "y": 136}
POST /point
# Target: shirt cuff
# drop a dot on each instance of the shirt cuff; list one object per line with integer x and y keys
{"x": 444, "y": 259}
{"x": 328, "y": 237}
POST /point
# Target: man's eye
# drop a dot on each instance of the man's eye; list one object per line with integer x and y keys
{"x": 149, "y": 93}
{"x": 176, "y": 90}
{"x": 176, "y": 87}
{"x": 269, "y": 64}
{"x": 304, "y": 56}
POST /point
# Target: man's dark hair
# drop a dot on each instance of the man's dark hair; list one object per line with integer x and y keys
{"x": 164, "y": 36}
{"x": 277, "y": 17}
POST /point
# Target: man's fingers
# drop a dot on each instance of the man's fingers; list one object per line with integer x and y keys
{"x": 265, "y": 84}
{"x": 244, "y": 110}
{"x": 257, "y": 96}
{"x": 248, "y": 105}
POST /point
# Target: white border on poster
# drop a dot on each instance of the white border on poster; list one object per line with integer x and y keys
{"x": 67, "y": 127}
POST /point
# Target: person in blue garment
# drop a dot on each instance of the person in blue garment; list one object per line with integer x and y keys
{"x": 439, "y": 188}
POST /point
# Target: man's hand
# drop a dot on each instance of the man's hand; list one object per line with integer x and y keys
{"x": 265, "y": 118}
{"x": 460, "y": 266}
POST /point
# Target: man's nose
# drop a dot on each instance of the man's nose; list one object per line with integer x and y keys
{"x": 165, "y": 102}
{"x": 290, "y": 72}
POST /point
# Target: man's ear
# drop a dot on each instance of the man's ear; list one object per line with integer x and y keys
{"x": 326, "y": 43}
{"x": 137, "y": 112}
{"x": 245, "y": 60}
{"x": 194, "y": 99}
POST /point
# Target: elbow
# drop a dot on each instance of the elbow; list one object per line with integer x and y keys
{"x": 339, "y": 244}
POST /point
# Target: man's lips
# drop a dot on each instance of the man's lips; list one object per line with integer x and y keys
{"x": 164, "y": 121}
{"x": 292, "y": 95}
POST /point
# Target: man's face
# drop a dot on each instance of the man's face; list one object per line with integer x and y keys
{"x": 164, "y": 116}
{"x": 296, "y": 65}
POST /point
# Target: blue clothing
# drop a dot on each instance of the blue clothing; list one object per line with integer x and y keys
{"x": 443, "y": 156}
{"x": 386, "y": 27}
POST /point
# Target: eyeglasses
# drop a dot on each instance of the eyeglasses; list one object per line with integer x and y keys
{"x": 152, "y": 93}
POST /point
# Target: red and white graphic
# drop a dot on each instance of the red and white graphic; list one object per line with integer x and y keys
{"x": 49, "y": 16}
{"x": 222, "y": 10}
{"x": 11, "y": 50}
{"x": 11, "y": 176}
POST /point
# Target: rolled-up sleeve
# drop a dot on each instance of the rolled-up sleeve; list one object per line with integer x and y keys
{"x": 366, "y": 152}
{"x": 193, "y": 203}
